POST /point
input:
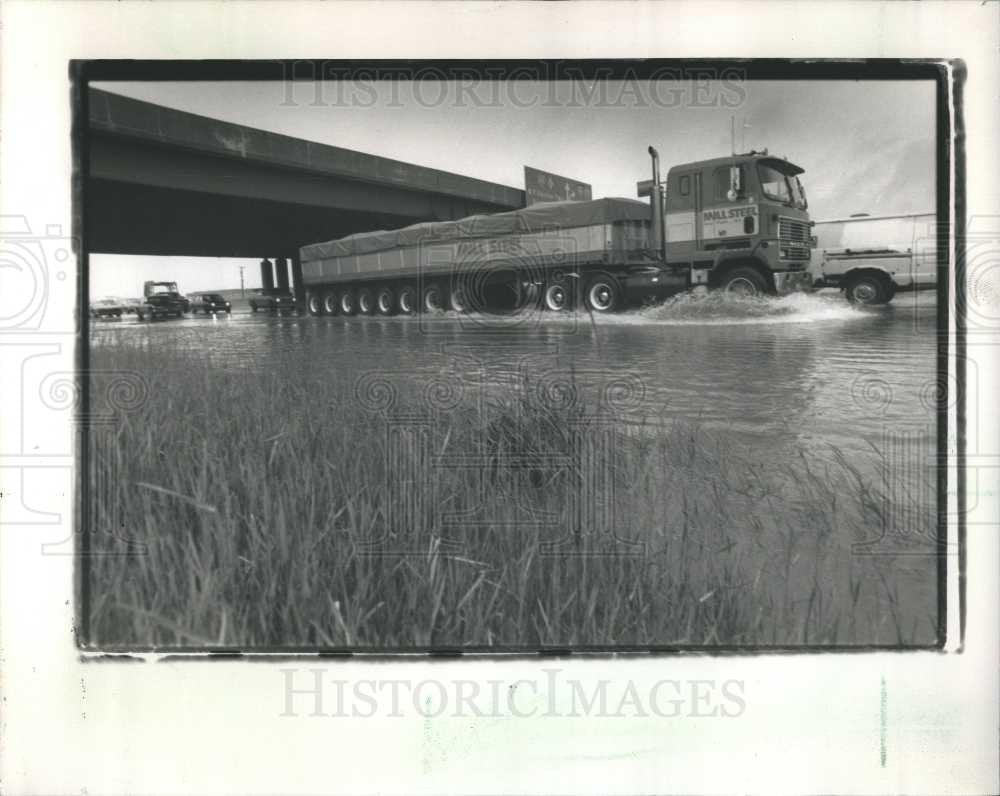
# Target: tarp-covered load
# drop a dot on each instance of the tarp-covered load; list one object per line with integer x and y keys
{"x": 537, "y": 218}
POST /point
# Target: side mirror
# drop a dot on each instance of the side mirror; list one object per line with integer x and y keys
{"x": 734, "y": 184}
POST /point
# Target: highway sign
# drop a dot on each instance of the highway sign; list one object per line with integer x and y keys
{"x": 540, "y": 186}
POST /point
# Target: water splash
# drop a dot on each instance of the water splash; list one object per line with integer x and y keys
{"x": 719, "y": 308}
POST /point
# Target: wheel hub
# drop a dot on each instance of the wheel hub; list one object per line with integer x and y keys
{"x": 601, "y": 296}
{"x": 741, "y": 287}
{"x": 555, "y": 297}
{"x": 864, "y": 292}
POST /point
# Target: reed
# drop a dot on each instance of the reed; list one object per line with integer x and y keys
{"x": 240, "y": 526}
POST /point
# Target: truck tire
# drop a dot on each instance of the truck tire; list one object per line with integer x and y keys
{"x": 457, "y": 301}
{"x": 348, "y": 306}
{"x": 744, "y": 281}
{"x": 432, "y": 299}
{"x": 869, "y": 289}
{"x": 558, "y": 296}
{"x": 385, "y": 302}
{"x": 253, "y": 306}
{"x": 314, "y": 305}
{"x": 331, "y": 304}
{"x": 603, "y": 294}
{"x": 407, "y": 300}
{"x": 366, "y": 301}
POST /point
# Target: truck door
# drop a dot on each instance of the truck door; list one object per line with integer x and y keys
{"x": 683, "y": 226}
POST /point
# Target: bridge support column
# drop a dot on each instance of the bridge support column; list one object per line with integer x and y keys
{"x": 281, "y": 270}
{"x": 266, "y": 275}
{"x": 297, "y": 286}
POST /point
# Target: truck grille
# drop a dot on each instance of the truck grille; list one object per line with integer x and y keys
{"x": 793, "y": 239}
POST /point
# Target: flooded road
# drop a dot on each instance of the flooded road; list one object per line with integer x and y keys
{"x": 806, "y": 371}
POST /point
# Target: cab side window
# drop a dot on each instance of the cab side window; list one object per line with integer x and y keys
{"x": 721, "y": 180}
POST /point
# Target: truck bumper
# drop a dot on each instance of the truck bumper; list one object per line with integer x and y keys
{"x": 791, "y": 281}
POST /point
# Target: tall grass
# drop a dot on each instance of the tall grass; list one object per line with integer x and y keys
{"x": 257, "y": 510}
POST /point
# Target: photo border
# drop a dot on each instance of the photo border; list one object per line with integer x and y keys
{"x": 948, "y": 76}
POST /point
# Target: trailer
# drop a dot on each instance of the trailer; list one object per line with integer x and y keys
{"x": 738, "y": 223}
{"x": 871, "y": 258}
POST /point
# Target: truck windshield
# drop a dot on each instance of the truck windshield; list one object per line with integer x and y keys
{"x": 785, "y": 188}
{"x": 798, "y": 193}
{"x": 774, "y": 184}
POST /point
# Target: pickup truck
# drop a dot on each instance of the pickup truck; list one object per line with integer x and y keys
{"x": 871, "y": 258}
{"x": 107, "y": 308}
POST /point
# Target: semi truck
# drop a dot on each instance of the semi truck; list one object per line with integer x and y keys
{"x": 738, "y": 223}
{"x": 871, "y": 258}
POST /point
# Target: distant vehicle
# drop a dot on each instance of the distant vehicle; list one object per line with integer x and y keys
{"x": 275, "y": 299}
{"x": 131, "y": 305}
{"x": 106, "y": 308}
{"x": 871, "y": 258}
{"x": 209, "y": 303}
{"x": 163, "y": 300}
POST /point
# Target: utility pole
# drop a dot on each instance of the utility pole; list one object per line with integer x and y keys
{"x": 243, "y": 293}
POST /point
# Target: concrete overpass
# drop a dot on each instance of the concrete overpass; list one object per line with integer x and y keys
{"x": 166, "y": 182}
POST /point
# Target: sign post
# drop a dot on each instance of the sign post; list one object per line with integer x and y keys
{"x": 540, "y": 186}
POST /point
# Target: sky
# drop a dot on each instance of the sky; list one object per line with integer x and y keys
{"x": 865, "y": 146}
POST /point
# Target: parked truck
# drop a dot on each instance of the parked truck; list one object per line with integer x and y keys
{"x": 162, "y": 300}
{"x": 871, "y": 258}
{"x": 738, "y": 223}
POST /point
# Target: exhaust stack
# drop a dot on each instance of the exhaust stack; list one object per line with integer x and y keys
{"x": 656, "y": 203}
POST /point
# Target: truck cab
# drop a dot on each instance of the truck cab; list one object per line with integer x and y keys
{"x": 162, "y": 300}
{"x": 739, "y": 222}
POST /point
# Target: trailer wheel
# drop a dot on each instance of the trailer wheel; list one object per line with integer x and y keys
{"x": 432, "y": 299}
{"x": 869, "y": 289}
{"x": 330, "y": 305}
{"x": 456, "y": 300}
{"x": 348, "y": 306}
{"x": 407, "y": 300}
{"x": 385, "y": 302}
{"x": 744, "y": 281}
{"x": 558, "y": 297}
{"x": 314, "y": 305}
{"x": 366, "y": 301}
{"x": 603, "y": 294}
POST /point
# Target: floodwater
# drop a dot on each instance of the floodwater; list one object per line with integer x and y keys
{"x": 806, "y": 369}
{"x": 788, "y": 379}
